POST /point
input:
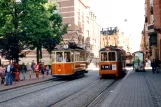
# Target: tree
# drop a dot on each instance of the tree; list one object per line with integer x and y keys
{"x": 36, "y": 24}
{"x": 10, "y": 28}
{"x": 26, "y": 23}
{"x": 30, "y": 24}
{"x": 57, "y": 28}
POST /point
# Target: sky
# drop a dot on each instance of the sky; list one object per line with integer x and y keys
{"x": 114, "y": 12}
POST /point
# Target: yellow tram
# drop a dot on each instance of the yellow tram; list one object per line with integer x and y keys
{"x": 69, "y": 62}
{"x": 112, "y": 61}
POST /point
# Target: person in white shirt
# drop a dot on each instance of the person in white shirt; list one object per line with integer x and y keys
{"x": 29, "y": 70}
{"x": 66, "y": 58}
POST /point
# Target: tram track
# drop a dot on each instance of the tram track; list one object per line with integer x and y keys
{"x": 85, "y": 90}
{"x": 102, "y": 95}
{"x": 2, "y": 100}
{"x": 22, "y": 94}
{"x": 52, "y": 105}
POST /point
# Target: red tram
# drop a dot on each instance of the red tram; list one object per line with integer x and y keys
{"x": 112, "y": 61}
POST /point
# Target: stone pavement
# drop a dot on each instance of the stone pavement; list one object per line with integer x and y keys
{"x": 26, "y": 82}
{"x": 137, "y": 89}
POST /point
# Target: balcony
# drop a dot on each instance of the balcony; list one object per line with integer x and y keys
{"x": 150, "y": 28}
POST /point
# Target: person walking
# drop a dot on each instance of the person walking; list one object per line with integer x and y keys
{"x": 23, "y": 71}
{"x": 153, "y": 65}
{"x": 157, "y": 65}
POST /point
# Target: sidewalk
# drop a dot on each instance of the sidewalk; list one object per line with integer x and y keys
{"x": 137, "y": 89}
{"x": 26, "y": 82}
{"x": 33, "y": 80}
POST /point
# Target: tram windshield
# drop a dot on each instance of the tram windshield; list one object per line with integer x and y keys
{"x": 108, "y": 56}
{"x": 63, "y": 57}
{"x": 59, "y": 56}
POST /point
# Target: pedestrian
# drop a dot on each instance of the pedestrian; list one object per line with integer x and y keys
{"x": 157, "y": 65}
{"x": 43, "y": 69}
{"x": 17, "y": 73}
{"x": 23, "y": 71}
{"x": 29, "y": 70}
{"x": 153, "y": 65}
{"x": 9, "y": 77}
{"x": 2, "y": 73}
{"x": 36, "y": 69}
{"x": 32, "y": 66}
{"x": 47, "y": 70}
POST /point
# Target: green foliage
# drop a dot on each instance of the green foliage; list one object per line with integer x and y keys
{"x": 29, "y": 24}
{"x": 57, "y": 28}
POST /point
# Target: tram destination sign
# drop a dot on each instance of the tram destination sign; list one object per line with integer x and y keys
{"x": 106, "y": 67}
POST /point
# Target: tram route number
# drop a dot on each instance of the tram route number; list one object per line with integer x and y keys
{"x": 106, "y": 67}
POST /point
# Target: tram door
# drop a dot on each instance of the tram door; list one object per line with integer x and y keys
{"x": 63, "y": 63}
{"x": 58, "y": 65}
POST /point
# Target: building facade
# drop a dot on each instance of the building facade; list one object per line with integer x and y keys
{"x": 113, "y": 37}
{"x": 82, "y": 26}
{"x": 152, "y": 28}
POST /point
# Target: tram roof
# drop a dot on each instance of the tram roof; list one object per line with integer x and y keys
{"x": 69, "y": 49}
{"x": 138, "y": 52}
{"x": 111, "y": 49}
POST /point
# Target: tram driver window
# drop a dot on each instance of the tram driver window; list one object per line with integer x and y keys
{"x": 59, "y": 56}
{"x": 112, "y": 56}
{"x": 104, "y": 56}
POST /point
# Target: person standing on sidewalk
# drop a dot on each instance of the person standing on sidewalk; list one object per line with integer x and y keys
{"x": 43, "y": 69}
{"x": 29, "y": 70}
{"x": 32, "y": 66}
{"x": 47, "y": 70}
{"x": 36, "y": 69}
{"x": 9, "y": 70}
{"x": 23, "y": 71}
{"x": 2, "y": 74}
{"x": 17, "y": 73}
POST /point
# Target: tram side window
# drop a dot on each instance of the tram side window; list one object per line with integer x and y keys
{"x": 119, "y": 56}
{"x": 53, "y": 57}
{"x": 77, "y": 56}
{"x": 72, "y": 56}
{"x": 59, "y": 56}
{"x": 82, "y": 56}
{"x": 112, "y": 56}
{"x": 104, "y": 56}
{"x": 66, "y": 56}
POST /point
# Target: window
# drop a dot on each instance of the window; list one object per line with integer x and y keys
{"x": 82, "y": 56}
{"x": 111, "y": 56}
{"x": 108, "y": 56}
{"x": 67, "y": 57}
{"x": 59, "y": 56}
{"x": 104, "y": 56}
{"x": 53, "y": 57}
{"x": 119, "y": 56}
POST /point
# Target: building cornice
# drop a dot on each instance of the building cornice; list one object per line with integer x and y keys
{"x": 83, "y": 4}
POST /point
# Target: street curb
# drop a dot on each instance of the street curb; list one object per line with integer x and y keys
{"x": 25, "y": 85}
